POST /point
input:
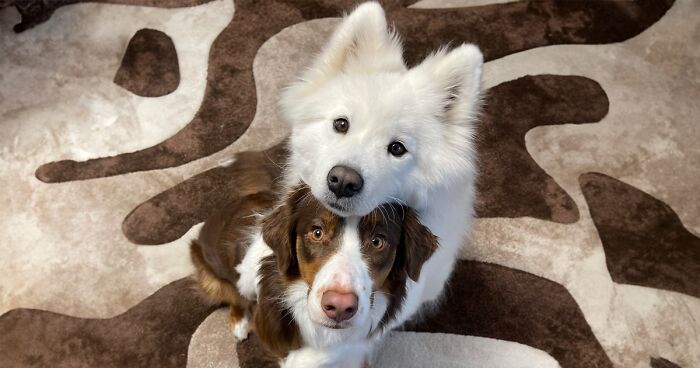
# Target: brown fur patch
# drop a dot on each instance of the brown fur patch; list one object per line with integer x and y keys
{"x": 287, "y": 230}
{"x": 313, "y": 253}
{"x": 236, "y": 312}
{"x": 221, "y": 246}
{"x": 416, "y": 246}
{"x": 384, "y": 222}
{"x": 273, "y": 322}
{"x": 215, "y": 289}
{"x": 418, "y": 243}
{"x": 309, "y": 266}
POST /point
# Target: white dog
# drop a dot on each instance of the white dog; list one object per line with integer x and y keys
{"x": 366, "y": 130}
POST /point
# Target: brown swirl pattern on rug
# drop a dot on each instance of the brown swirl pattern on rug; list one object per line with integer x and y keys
{"x": 483, "y": 299}
{"x": 230, "y": 100}
{"x": 644, "y": 240}
{"x": 662, "y": 363}
{"x": 35, "y": 12}
{"x": 154, "y": 333}
{"x": 511, "y": 184}
{"x": 149, "y": 67}
{"x": 488, "y": 300}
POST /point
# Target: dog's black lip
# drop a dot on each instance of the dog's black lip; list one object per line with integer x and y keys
{"x": 339, "y": 209}
{"x": 336, "y": 206}
{"x": 333, "y": 326}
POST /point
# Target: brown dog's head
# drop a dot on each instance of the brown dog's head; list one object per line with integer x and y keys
{"x": 344, "y": 274}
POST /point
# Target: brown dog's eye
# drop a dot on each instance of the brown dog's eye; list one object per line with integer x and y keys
{"x": 377, "y": 242}
{"x": 317, "y": 233}
{"x": 396, "y": 148}
{"x": 341, "y": 125}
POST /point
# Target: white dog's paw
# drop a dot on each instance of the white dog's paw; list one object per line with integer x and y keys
{"x": 241, "y": 329}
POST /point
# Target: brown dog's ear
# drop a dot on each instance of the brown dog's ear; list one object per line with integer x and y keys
{"x": 279, "y": 228}
{"x": 418, "y": 243}
{"x": 272, "y": 321}
{"x": 279, "y": 234}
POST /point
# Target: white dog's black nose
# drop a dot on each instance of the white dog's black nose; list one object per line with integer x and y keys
{"x": 344, "y": 181}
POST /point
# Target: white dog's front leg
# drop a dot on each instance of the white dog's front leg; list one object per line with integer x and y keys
{"x": 349, "y": 355}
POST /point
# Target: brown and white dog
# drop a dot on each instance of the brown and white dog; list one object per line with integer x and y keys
{"x": 325, "y": 286}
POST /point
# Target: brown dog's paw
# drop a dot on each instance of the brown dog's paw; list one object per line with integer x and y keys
{"x": 241, "y": 329}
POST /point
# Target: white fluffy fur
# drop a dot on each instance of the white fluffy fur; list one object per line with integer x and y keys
{"x": 431, "y": 108}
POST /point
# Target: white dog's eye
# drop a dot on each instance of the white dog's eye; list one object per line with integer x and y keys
{"x": 341, "y": 125}
{"x": 396, "y": 148}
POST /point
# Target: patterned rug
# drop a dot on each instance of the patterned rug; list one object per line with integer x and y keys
{"x": 119, "y": 120}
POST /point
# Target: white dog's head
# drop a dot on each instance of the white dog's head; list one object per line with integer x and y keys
{"x": 366, "y": 130}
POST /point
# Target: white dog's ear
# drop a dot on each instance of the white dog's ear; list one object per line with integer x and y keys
{"x": 361, "y": 43}
{"x": 456, "y": 77}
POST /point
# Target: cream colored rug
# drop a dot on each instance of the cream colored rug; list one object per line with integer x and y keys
{"x": 117, "y": 118}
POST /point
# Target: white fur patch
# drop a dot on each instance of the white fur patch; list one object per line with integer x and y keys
{"x": 241, "y": 329}
{"x": 249, "y": 267}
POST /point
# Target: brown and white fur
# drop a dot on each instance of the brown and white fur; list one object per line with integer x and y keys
{"x": 303, "y": 263}
{"x": 220, "y": 247}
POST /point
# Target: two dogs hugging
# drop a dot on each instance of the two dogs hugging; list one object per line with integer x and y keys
{"x": 375, "y": 200}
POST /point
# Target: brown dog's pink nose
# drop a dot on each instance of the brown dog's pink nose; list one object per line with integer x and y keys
{"x": 339, "y": 306}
